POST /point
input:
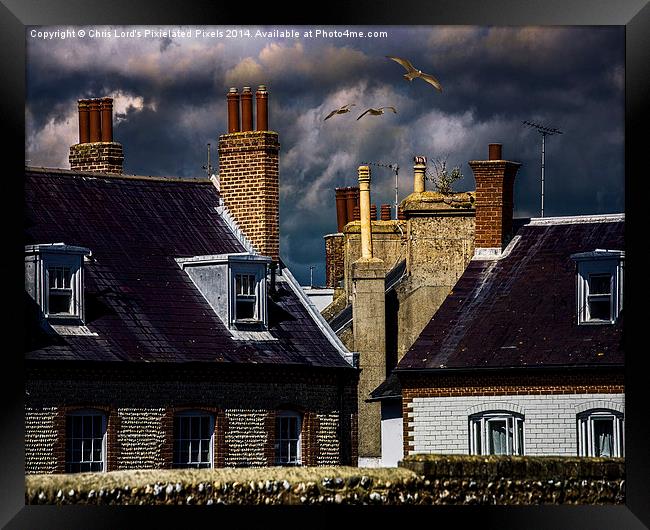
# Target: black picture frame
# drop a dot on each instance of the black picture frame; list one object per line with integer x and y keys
{"x": 15, "y": 15}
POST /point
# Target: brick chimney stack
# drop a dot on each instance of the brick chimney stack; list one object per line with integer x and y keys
{"x": 249, "y": 172}
{"x": 96, "y": 150}
{"x": 495, "y": 179}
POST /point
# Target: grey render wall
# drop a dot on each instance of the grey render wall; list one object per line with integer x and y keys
{"x": 441, "y": 425}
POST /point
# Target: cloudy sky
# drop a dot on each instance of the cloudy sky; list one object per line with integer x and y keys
{"x": 170, "y": 102}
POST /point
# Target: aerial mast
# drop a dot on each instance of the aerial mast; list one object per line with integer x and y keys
{"x": 544, "y": 131}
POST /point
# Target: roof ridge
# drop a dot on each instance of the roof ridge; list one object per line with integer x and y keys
{"x": 576, "y": 219}
{"x": 100, "y": 174}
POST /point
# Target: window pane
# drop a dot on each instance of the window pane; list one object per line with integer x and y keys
{"x": 245, "y": 308}
{"x": 293, "y": 451}
{"x": 84, "y": 442}
{"x": 238, "y": 282}
{"x": 603, "y": 437}
{"x": 192, "y": 441}
{"x": 600, "y": 309}
{"x": 60, "y": 302}
{"x": 497, "y": 437}
{"x": 97, "y": 426}
{"x": 600, "y": 284}
{"x": 195, "y": 427}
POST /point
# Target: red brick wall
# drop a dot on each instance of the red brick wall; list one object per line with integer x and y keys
{"x": 112, "y": 427}
{"x": 249, "y": 186}
{"x": 140, "y": 407}
{"x": 494, "y": 201}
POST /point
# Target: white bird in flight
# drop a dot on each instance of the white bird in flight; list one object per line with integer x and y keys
{"x": 412, "y": 72}
{"x": 376, "y": 112}
{"x": 341, "y": 110}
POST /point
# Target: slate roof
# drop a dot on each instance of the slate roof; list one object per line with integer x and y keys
{"x": 520, "y": 310}
{"x": 139, "y": 302}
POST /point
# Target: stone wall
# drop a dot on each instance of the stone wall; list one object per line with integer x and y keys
{"x": 421, "y": 480}
{"x": 140, "y": 413}
{"x": 388, "y": 244}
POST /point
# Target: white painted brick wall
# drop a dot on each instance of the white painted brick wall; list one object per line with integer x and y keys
{"x": 441, "y": 425}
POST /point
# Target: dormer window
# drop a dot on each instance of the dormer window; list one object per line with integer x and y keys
{"x": 245, "y": 297}
{"x": 54, "y": 279}
{"x": 234, "y": 285}
{"x": 248, "y": 294}
{"x": 599, "y": 286}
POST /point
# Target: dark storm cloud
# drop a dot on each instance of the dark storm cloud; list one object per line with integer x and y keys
{"x": 170, "y": 101}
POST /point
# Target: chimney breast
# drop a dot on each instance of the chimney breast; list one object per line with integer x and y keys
{"x": 96, "y": 150}
{"x": 495, "y": 179}
{"x": 249, "y": 179}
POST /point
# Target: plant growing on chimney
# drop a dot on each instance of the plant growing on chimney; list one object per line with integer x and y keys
{"x": 443, "y": 178}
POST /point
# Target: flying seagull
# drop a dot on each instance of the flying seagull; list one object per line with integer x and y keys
{"x": 412, "y": 72}
{"x": 376, "y": 112}
{"x": 342, "y": 110}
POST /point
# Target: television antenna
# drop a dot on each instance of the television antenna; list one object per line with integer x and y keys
{"x": 208, "y": 167}
{"x": 311, "y": 276}
{"x": 395, "y": 168}
{"x": 544, "y": 131}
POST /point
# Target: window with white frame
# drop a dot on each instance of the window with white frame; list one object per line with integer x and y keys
{"x": 496, "y": 433}
{"x": 600, "y": 433}
{"x": 54, "y": 279}
{"x": 245, "y": 296}
{"x": 599, "y": 286}
{"x": 193, "y": 440}
{"x": 248, "y": 304}
{"x": 288, "y": 438}
{"x": 85, "y": 441}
